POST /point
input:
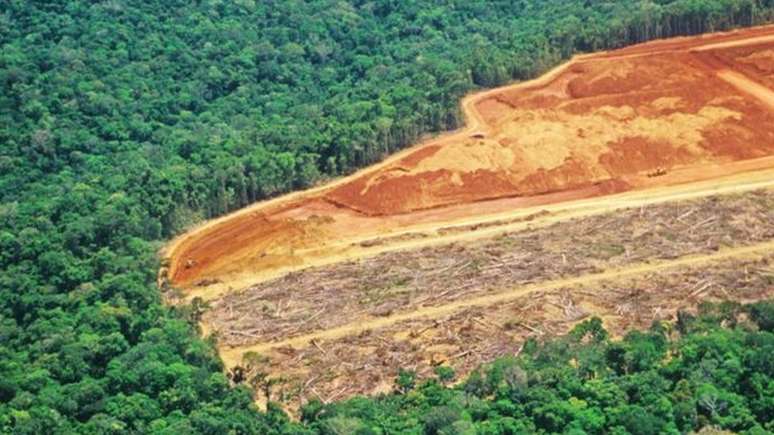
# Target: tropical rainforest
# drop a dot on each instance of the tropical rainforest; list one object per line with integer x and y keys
{"x": 123, "y": 122}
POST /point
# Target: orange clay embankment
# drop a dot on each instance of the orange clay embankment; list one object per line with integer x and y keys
{"x": 598, "y": 125}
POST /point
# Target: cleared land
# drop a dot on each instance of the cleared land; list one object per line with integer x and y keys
{"x": 345, "y": 329}
{"x": 756, "y": 61}
{"x": 654, "y": 116}
{"x": 627, "y": 184}
{"x": 405, "y": 281}
{"x": 601, "y": 121}
{"x": 365, "y": 361}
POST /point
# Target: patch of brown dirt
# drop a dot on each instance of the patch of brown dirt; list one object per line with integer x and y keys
{"x": 273, "y": 246}
{"x": 756, "y": 62}
{"x": 638, "y": 154}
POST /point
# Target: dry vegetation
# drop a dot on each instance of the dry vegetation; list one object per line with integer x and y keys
{"x": 367, "y": 363}
{"x": 652, "y": 246}
{"x": 326, "y": 297}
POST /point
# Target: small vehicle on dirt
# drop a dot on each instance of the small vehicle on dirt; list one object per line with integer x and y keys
{"x": 658, "y": 172}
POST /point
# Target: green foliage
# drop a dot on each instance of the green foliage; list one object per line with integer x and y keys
{"x": 719, "y": 375}
{"x": 444, "y": 420}
{"x": 445, "y": 374}
{"x": 763, "y": 315}
{"x": 405, "y": 381}
{"x": 122, "y": 122}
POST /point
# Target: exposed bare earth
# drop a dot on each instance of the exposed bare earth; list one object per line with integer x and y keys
{"x": 496, "y": 217}
{"x": 599, "y": 122}
{"x": 597, "y": 125}
{"x": 626, "y": 184}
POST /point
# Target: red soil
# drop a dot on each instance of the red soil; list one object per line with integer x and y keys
{"x": 603, "y": 120}
{"x": 595, "y": 126}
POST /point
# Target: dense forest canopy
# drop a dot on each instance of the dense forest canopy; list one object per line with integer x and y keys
{"x": 201, "y": 107}
{"x": 124, "y": 121}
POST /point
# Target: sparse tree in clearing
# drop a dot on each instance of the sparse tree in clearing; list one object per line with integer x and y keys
{"x": 405, "y": 381}
{"x": 445, "y": 374}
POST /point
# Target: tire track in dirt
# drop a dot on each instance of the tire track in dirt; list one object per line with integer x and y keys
{"x": 231, "y": 356}
{"x": 748, "y": 86}
{"x": 738, "y": 80}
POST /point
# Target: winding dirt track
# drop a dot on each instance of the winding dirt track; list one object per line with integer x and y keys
{"x": 312, "y": 228}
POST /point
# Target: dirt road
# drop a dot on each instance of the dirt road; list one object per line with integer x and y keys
{"x": 762, "y": 93}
